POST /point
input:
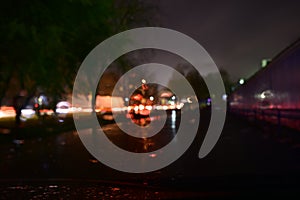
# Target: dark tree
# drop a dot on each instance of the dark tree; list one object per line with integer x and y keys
{"x": 44, "y": 42}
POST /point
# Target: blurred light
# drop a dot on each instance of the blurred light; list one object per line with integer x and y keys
{"x": 173, "y": 119}
{"x": 143, "y": 81}
{"x": 85, "y": 109}
{"x": 151, "y": 98}
{"x": 173, "y": 97}
{"x": 62, "y": 110}
{"x": 141, "y": 107}
{"x": 126, "y": 99}
{"x": 241, "y": 81}
{"x": 158, "y": 107}
{"x": 262, "y": 95}
{"x": 63, "y": 104}
{"x": 153, "y": 155}
{"x": 18, "y": 141}
{"x": 136, "y": 108}
{"x": 46, "y": 111}
{"x": 7, "y": 111}
{"x": 189, "y": 100}
{"x": 224, "y": 97}
{"x": 40, "y": 100}
{"x": 149, "y": 107}
{"x": 117, "y": 109}
{"x": 180, "y": 106}
{"x": 172, "y": 106}
{"x": 265, "y": 62}
{"x": 28, "y": 113}
{"x": 208, "y": 101}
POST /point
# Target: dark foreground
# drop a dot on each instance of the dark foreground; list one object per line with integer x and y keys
{"x": 249, "y": 160}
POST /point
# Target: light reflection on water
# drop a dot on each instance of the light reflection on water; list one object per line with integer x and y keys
{"x": 173, "y": 119}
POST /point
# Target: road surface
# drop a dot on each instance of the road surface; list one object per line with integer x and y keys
{"x": 247, "y": 160}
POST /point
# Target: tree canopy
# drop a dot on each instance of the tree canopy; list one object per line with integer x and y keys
{"x": 44, "y": 42}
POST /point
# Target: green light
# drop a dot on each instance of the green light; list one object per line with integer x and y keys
{"x": 265, "y": 62}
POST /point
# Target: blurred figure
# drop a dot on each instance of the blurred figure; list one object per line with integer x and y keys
{"x": 19, "y": 102}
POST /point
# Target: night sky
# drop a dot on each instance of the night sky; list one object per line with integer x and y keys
{"x": 237, "y": 34}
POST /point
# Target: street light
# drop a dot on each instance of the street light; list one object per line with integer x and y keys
{"x": 241, "y": 81}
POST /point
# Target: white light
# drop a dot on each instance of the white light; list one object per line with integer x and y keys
{"x": 173, "y": 119}
{"x": 224, "y": 97}
{"x": 173, "y": 97}
{"x": 241, "y": 81}
{"x": 143, "y": 81}
{"x": 136, "y": 108}
{"x": 63, "y": 104}
{"x": 141, "y": 107}
{"x": 62, "y": 110}
{"x": 149, "y": 107}
{"x": 262, "y": 95}
{"x": 165, "y": 107}
{"x": 179, "y": 106}
{"x": 158, "y": 107}
{"x": 151, "y": 98}
{"x": 28, "y": 113}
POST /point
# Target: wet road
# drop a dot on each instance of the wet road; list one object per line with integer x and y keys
{"x": 247, "y": 159}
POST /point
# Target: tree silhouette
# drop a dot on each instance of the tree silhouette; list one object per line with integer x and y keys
{"x": 44, "y": 42}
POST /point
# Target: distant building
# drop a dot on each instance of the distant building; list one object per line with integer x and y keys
{"x": 274, "y": 87}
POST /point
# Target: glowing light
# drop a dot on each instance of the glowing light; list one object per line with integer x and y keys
{"x": 136, "y": 108}
{"x": 151, "y": 98}
{"x": 62, "y": 110}
{"x": 6, "y": 111}
{"x": 241, "y": 81}
{"x": 88, "y": 110}
{"x": 208, "y": 101}
{"x": 143, "y": 81}
{"x": 28, "y": 113}
{"x": 180, "y": 106}
{"x": 165, "y": 107}
{"x": 63, "y": 104}
{"x": 173, "y": 118}
{"x": 149, "y": 107}
{"x": 265, "y": 62}
{"x": 224, "y": 97}
{"x": 141, "y": 107}
{"x": 153, "y": 155}
{"x": 117, "y": 109}
{"x": 40, "y": 100}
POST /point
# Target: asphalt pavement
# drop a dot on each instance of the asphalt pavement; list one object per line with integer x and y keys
{"x": 249, "y": 159}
